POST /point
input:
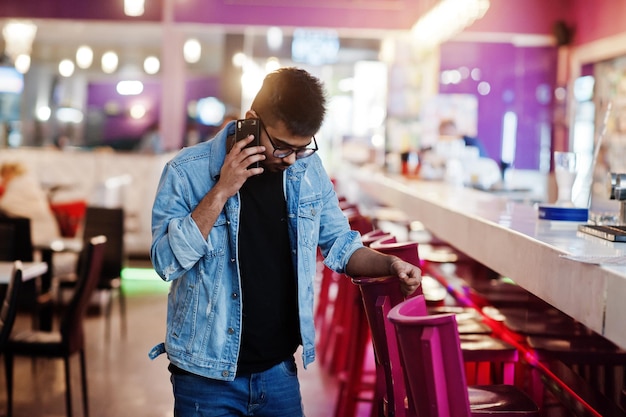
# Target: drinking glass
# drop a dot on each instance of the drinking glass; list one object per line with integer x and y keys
{"x": 565, "y": 172}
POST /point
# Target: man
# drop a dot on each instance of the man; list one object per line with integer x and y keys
{"x": 447, "y": 128}
{"x": 239, "y": 245}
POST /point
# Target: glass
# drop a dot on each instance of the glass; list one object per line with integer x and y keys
{"x": 565, "y": 172}
{"x": 283, "y": 152}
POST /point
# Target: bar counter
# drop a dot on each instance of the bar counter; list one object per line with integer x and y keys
{"x": 509, "y": 238}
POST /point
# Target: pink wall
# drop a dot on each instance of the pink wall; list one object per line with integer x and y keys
{"x": 596, "y": 19}
{"x": 379, "y": 14}
{"x": 525, "y": 16}
{"x": 592, "y": 19}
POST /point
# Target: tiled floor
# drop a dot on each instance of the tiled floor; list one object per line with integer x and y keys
{"x": 122, "y": 380}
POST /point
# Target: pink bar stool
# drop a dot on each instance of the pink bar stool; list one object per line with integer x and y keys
{"x": 355, "y": 383}
{"x": 432, "y": 363}
{"x": 487, "y": 358}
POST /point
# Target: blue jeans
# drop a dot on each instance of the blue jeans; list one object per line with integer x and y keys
{"x": 272, "y": 393}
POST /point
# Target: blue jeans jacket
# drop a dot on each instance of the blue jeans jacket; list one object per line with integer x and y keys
{"x": 204, "y": 311}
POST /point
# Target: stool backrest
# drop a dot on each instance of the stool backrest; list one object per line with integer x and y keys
{"x": 378, "y": 296}
{"x": 432, "y": 361}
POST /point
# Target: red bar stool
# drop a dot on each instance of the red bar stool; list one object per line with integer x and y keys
{"x": 338, "y": 315}
{"x": 355, "y": 383}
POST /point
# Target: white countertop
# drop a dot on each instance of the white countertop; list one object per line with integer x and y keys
{"x": 509, "y": 238}
{"x": 30, "y": 270}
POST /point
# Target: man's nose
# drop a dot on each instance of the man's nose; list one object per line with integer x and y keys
{"x": 290, "y": 159}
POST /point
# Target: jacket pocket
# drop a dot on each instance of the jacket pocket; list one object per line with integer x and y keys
{"x": 309, "y": 214}
{"x": 218, "y": 237}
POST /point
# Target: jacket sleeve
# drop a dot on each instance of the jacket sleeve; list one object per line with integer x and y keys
{"x": 177, "y": 243}
{"x": 337, "y": 241}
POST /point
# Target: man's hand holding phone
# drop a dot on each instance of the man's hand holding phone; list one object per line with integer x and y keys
{"x": 240, "y": 164}
{"x": 246, "y": 127}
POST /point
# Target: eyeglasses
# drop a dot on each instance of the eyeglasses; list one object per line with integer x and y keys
{"x": 283, "y": 152}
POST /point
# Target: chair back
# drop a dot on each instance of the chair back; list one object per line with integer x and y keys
{"x": 373, "y": 235}
{"x": 407, "y": 251}
{"x": 90, "y": 268}
{"x": 358, "y": 221}
{"x": 8, "y": 311}
{"x": 432, "y": 361}
{"x": 15, "y": 239}
{"x": 110, "y": 223}
{"x": 378, "y": 296}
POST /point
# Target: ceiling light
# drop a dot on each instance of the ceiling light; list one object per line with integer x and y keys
{"x": 22, "y": 63}
{"x": 192, "y": 51}
{"x": 134, "y": 7}
{"x": 18, "y": 38}
{"x": 66, "y": 68}
{"x": 129, "y": 88}
{"x": 109, "y": 62}
{"x": 137, "y": 111}
{"x": 239, "y": 59}
{"x": 446, "y": 19}
{"x": 151, "y": 65}
{"x": 84, "y": 57}
{"x": 272, "y": 64}
{"x": 43, "y": 113}
{"x": 274, "y": 38}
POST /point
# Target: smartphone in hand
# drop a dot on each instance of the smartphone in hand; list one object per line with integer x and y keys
{"x": 245, "y": 128}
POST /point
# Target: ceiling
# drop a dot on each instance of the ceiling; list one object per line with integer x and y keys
{"x": 59, "y": 39}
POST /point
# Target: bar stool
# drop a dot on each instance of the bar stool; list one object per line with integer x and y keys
{"x": 355, "y": 383}
{"x": 487, "y": 358}
{"x": 432, "y": 364}
{"x": 338, "y": 317}
{"x": 599, "y": 362}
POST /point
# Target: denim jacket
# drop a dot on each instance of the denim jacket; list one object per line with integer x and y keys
{"x": 204, "y": 311}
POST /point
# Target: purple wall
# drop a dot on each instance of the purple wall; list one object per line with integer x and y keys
{"x": 121, "y": 126}
{"x": 519, "y": 78}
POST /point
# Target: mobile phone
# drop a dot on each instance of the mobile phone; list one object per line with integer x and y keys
{"x": 245, "y": 128}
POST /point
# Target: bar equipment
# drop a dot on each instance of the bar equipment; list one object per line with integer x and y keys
{"x": 616, "y": 188}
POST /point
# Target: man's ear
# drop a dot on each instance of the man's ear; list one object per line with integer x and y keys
{"x": 251, "y": 114}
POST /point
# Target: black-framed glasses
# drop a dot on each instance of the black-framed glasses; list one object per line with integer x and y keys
{"x": 283, "y": 152}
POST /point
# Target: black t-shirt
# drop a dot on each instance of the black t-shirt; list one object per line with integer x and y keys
{"x": 270, "y": 329}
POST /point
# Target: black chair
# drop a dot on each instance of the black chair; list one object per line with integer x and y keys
{"x": 70, "y": 338}
{"x": 110, "y": 223}
{"x": 8, "y": 311}
{"x": 16, "y": 245}
{"x": 15, "y": 239}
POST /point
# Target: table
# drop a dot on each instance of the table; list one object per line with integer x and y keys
{"x": 509, "y": 238}
{"x": 30, "y": 270}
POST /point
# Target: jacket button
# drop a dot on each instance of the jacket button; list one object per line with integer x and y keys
{"x": 232, "y": 259}
{"x": 234, "y": 295}
{"x": 225, "y": 374}
{"x": 231, "y": 330}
